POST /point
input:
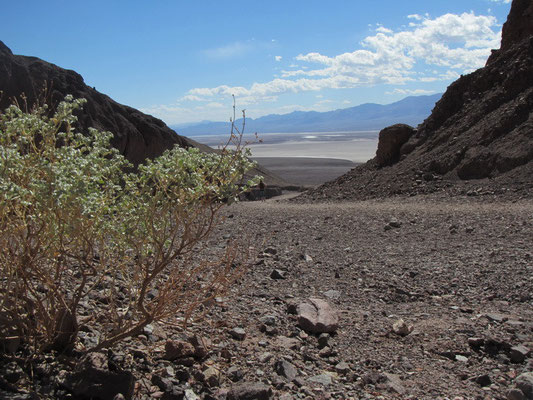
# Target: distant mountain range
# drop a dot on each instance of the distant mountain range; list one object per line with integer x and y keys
{"x": 411, "y": 110}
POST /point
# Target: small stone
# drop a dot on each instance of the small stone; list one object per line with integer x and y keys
{"x": 211, "y": 376}
{"x": 394, "y": 223}
{"x": 271, "y": 251}
{"x": 482, "y": 380}
{"x": 175, "y": 349}
{"x": 250, "y": 391}
{"x": 238, "y": 333}
{"x": 323, "y": 340}
{"x": 515, "y": 394}
{"x": 332, "y": 294}
{"x": 401, "y": 328}
{"x": 518, "y": 354}
{"x": 190, "y": 395}
{"x": 476, "y": 342}
{"x": 235, "y": 374}
{"x": 268, "y": 320}
{"x": 277, "y": 274}
{"x": 265, "y": 357}
{"x": 342, "y": 368}
{"x": 461, "y": 358}
{"x": 524, "y": 382}
{"x": 393, "y": 383}
{"x": 322, "y": 379}
{"x": 285, "y": 369}
{"x": 495, "y": 317}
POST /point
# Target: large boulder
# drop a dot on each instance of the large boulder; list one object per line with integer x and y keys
{"x": 317, "y": 316}
{"x": 390, "y": 142}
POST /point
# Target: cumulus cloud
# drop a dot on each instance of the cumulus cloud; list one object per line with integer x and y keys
{"x": 452, "y": 44}
{"x": 278, "y": 58}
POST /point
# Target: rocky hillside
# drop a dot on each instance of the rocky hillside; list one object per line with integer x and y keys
{"x": 137, "y": 135}
{"x": 479, "y": 134}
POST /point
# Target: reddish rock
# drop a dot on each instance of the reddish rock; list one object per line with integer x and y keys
{"x": 317, "y": 316}
{"x": 176, "y": 349}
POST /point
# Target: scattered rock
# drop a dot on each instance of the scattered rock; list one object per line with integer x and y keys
{"x": 235, "y": 374}
{"x": 401, "y": 328}
{"x": 342, "y": 368}
{"x": 238, "y": 333}
{"x": 524, "y": 382}
{"x": 250, "y": 391}
{"x": 461, "y": 358}
{"x": 518, "y": 354}
{"x": 211, "y": 376}
{"x": 285, "y": 369}
{"x": 482, "y": 380}
{"x": 332, "y": 294}
{"x": 92, "y": 379}
{"x": 323, "y": 340}
{"x": 322, "y": 379}
{"x": 178, "y": 349}
{"x": 317, "y": 316}
{"x": 277, "y": 274}
{"x": 515, "y": 394}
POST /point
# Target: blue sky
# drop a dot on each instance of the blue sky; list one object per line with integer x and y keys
{"x": 182, "y": 60}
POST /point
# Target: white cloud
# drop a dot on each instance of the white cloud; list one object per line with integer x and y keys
{"x": 501, "y": 1}
{"x": 433, "y": 49}
{"x": 415, "y": 92}
{"x": 453, "y": 43}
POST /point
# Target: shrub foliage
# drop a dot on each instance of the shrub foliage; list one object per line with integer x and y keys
{"x": 83, "y": 241}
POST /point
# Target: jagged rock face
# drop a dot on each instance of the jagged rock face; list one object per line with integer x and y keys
{"x": 481, "y": 128}
{"x": 138, "y": 136}
{"x": 519, "y": 24}
{"x": 390, "y": 142}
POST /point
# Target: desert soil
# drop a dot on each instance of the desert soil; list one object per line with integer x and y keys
{"x": 306, "y": 171}
{"x": 458, "y": 271}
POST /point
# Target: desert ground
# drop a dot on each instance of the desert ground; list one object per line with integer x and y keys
{"x": 458, "y": 272}
{"x": 306, "y": 171}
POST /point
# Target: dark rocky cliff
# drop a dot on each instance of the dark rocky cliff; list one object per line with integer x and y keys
{"x": 136, "y": 135}
{"x": 481, "y": 131}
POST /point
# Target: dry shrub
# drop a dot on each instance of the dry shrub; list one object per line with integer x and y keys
{"x": 78, "y": 233}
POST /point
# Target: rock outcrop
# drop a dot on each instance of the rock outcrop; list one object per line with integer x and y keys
{"x": 481, "y": 129}
{"x": 390, "y": 143}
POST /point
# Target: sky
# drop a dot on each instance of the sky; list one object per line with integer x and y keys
{"x": 182, "y": 60}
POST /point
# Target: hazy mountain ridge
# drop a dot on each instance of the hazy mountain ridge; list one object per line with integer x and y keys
{"x": 369, "y": 116}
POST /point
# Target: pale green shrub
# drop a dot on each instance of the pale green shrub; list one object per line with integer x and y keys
{"x": 75, "y": 227}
